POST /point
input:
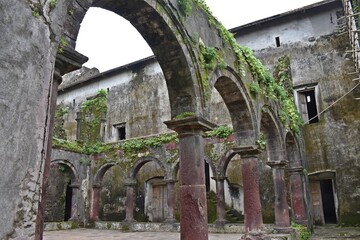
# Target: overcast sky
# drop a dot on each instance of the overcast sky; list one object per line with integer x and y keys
{"x": 111, "y": 41}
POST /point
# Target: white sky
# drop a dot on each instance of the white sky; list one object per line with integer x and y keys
{"x": 111, "y": 41}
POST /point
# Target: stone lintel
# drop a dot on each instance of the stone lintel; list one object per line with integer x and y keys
{"x": 277, "y": 164}
{"x": 248, "y": 151}
{"x": 190, "y": 123}
{"x": 69, "y": 60}
{"x": 96, "y": 185}
{"x": 296, "y": 170}
{"x": 75, "y": 185}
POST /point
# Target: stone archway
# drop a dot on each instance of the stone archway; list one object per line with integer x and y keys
{"x": 275, "y": 158}
{"x": 32, "y": 32}
{"x": 62, "y": 191}
{"x": 296, "y": 179}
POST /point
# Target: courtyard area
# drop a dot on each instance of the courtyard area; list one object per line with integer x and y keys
{"x": 321, "y": 233}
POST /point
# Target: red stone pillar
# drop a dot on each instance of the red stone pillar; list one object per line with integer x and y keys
{"x": 95, "y": 201}
{"x": 297, "y": 195}
{"x": 74, "y": 202}
{"x": 282, "y": 219}
{"x": 220, "y": 202}
{"x": 193, "y": 203}
{"x": 170, "y": 184}
{"x": 252, "y": 206}
{"x": 130, "y": 201}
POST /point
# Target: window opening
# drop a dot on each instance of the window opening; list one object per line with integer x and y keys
{"x": 120, "y": 133}
{"x": 307, "y": 105}
{"x": 277, "y": 40}
{"x": 311, "y": 106}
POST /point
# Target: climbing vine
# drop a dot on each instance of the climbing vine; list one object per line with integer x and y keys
{"x": 223, "y": 131}
{"x": 263, "y": 83}
{"x": 184, "y": 115}
{"x": 92, "y": 112}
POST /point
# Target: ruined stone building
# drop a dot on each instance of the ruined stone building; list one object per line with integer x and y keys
{"x": 200, "y": 133}
{"x": 306, "y": 44}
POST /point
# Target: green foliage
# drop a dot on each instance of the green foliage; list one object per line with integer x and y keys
{"x": 35, "y": 14}
{"x": 245, "y": 57}
{"x": 261, "y": 142}
{"x": 85, "y": 161}
{"x": 301, "y": 231}
{"x": 62, "y": 168}
{"x": 255, "y": 88}
{"x": 184, "y": 115}
{"x": 92, "y": 112}
{"x": 132, "y": 147}
{"x": 52, "y": 4}
{"x": 223, "y": 131}
{"x": 185, "y": 7}
{"x": 59, "y": 131}
{"x": 63, "y": 43}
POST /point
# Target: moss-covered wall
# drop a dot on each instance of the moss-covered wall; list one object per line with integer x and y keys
{"x": 332, "y": 144}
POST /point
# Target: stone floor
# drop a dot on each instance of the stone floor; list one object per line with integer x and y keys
{"x": 92, "y": 234}
{"x": 320, "y": 233}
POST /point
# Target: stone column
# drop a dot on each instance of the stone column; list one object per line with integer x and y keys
{"x": 57, "y": 79}
{"x": 220, "y": 202}
{"x": 170, "y": 184}
{"x": 282, "y": 220}
{"x": 75, "y": 202}
{"x": 95, "y": 201}
{"x": 252, "y": 206}
{"x": 297, "y": 195}
{"x": 130, "y": 200}
{"x": 193, "y": 203}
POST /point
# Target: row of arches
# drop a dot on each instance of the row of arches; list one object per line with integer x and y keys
{"x": 166, "y": 181}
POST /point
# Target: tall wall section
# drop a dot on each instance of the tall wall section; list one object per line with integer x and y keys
{"x": 319, "y": 62}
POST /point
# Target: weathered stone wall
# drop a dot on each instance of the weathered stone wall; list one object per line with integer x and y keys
{"x": 28, "y": 47}
{"x": 318, "y": 56}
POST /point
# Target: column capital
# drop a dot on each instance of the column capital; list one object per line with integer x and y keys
{"x": 183, "y": 126}
{"x": 277, "y": 164}
{"x": 170, "y": 180}
{"x": 296, "y": 170}
{"x": 69, "y": 60}
{"x": 247, "y": 151}
{"x": 219, "y": 178}
{"x": 130, "y": 182}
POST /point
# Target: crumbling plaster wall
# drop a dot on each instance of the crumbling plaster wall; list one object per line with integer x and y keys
{"x": 28, "y": 48}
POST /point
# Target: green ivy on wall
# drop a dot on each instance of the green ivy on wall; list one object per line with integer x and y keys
{"x": 264, "y": 82}
{"x": 92, "y": 112}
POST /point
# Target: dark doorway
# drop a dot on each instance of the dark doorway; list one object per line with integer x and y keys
{"x": 311, "y": 106}
{"x": 68, "y": 200}
{"x": 207, "y": 177}
{"x": 327, "y": 197}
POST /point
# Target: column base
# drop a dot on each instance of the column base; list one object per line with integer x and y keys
{"x": 220, "y": 222}
{"x": 283, "y": 229}
{"x": 170, "y": 220}
{"x": 129, "y": 220}
{"x": 255, "y": 236}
